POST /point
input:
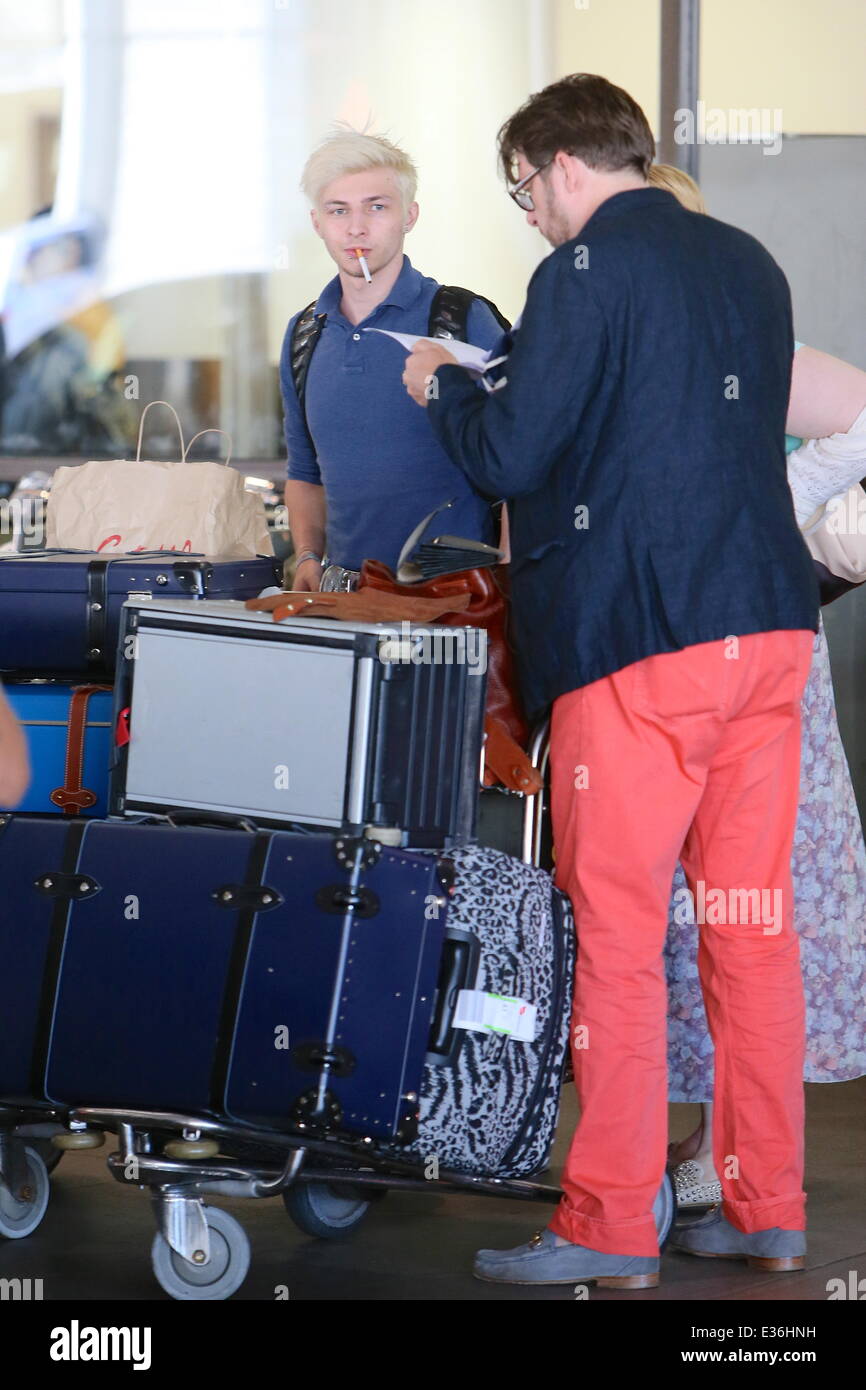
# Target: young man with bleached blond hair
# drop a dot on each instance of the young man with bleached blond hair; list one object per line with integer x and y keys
{"x": 364, "y": 466}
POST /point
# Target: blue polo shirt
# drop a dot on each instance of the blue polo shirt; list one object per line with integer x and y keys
{"x": 375, "y": 453}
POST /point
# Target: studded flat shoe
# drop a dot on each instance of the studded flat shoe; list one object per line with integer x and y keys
{"x": 693, "y": 1185}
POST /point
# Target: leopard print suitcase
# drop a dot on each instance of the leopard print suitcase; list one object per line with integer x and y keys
{"x": 489, "y": 1103}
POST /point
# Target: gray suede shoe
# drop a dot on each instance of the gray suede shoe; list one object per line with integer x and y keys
{"x": 713, "y": 1237}
{"x": 541, "y": 1261}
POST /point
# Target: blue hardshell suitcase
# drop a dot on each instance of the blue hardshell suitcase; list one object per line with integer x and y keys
{"x": 57, "y": 758}
{"x": 60, "y": 610}
{"x": 220, "y": 972}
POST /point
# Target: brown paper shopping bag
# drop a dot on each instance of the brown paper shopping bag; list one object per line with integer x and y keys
{"x": 142, "y": 504}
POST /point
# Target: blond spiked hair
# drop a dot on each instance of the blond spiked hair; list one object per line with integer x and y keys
{"x": 349, "y": 151}
{"x": 679, "y": 183}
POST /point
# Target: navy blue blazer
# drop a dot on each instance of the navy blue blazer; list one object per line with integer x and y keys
{"x": 641, "y": 436}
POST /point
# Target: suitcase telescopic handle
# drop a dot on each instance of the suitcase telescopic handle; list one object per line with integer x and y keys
{"x": 457, "y": 968}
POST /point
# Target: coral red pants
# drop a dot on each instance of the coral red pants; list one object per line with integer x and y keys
{"x": 692, "y": 755}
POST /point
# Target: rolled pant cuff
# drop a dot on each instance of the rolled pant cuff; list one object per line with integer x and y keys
{"x": 788, "y": 1213}
{"x": 635, "y": 1237}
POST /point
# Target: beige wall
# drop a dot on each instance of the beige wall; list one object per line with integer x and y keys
{"x": 807, "y": 59}
{"x": 619, "y": 39}
{"x": 19, "y": 114}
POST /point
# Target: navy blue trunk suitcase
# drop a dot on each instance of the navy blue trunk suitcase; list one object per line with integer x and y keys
{"x": 60, "y": 610}
{"x": 28, "y": 948}
{"x": 267, "y": 977}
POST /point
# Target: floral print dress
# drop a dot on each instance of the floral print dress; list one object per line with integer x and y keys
{"x": 829, "y": 871}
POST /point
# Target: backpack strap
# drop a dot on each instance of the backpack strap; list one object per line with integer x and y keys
{"x": 449, "y": 312}
{"x": 449, "y": 316}
{"x": 305, "y": 334}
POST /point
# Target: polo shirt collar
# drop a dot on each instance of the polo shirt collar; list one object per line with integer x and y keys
{"x": 403, "y": 294}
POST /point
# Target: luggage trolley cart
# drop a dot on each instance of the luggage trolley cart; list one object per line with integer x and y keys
{"x": 27, "y": 1159}
{"x": 33, "y": 1139}
{"x": 327, "y": 1182}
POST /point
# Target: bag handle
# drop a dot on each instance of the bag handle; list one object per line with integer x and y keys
{"x": 141, "y": 428}
{"x": 210, "y": 431}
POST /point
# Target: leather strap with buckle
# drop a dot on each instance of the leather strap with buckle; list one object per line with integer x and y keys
{"x": 72, "y": 797}
{"x": 507, "y": 761}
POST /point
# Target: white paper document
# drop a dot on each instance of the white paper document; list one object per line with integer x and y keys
{"x": 475, "y": 359}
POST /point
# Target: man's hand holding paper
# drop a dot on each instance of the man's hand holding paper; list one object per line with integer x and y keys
{"x": 421, "y": 366}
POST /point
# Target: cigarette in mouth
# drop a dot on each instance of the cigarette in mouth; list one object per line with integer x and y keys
{"x": 362, "y": 262}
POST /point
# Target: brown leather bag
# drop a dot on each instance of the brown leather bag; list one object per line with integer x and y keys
{"x": 487, "y": 608}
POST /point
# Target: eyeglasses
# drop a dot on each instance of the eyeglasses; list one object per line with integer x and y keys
{"x": 523, "y": 198}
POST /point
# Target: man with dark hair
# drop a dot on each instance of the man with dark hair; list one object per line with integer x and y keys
{"x": 584, "y": 115}
{"x": 664, "y": 605}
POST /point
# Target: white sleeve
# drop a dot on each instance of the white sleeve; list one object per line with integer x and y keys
{"x": 825, "y": 468}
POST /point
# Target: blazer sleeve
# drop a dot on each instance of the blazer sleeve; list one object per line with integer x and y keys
{"x": 507, "y": 442}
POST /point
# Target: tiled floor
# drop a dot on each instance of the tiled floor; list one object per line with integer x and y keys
{"x": 94, "y": 1243}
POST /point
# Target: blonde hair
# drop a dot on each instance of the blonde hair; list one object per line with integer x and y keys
{"x": 682, "y": 186}
{"x": 349, "y": 151}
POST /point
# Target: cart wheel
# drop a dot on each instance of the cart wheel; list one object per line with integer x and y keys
{"x": 318, "y": 1209}
{"x": 79, "y": 1139}
{"x": 664, "y": 1210}
{"x": 224, "y": 1272}
{"x": 22, "y": 1211}
{"x": 192, "y": 1148}
{"x": 48, "y": 1152}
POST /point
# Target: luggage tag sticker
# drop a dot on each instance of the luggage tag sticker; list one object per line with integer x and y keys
{"x": 495, "y": 1013}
